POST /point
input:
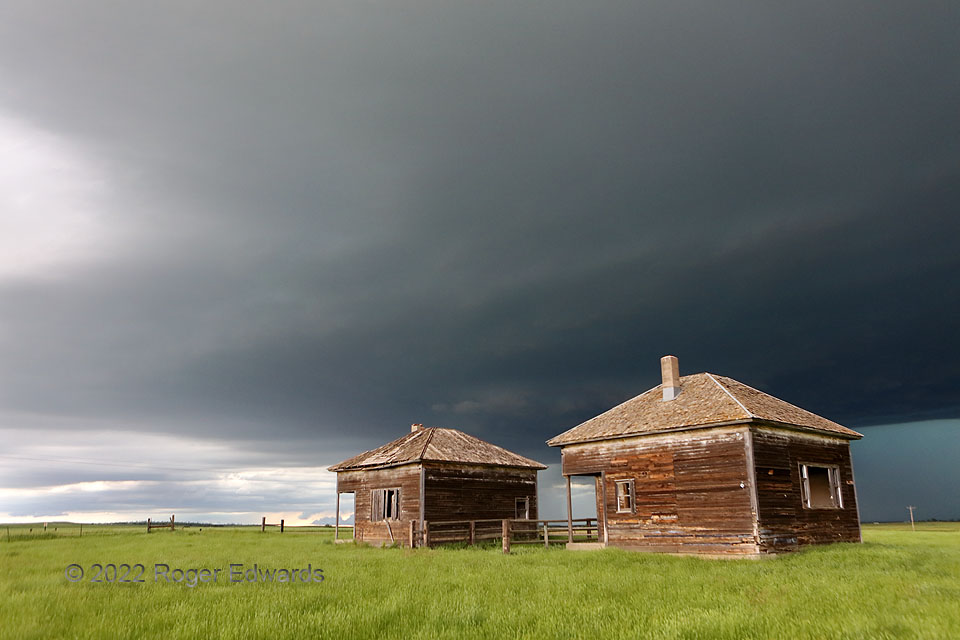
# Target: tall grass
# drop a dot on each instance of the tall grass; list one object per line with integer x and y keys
{"x": 898, "y": 584}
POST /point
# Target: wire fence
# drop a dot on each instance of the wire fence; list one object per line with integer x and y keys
{"x": 53, "y": 530}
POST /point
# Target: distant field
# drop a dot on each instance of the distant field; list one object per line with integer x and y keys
{"x": 898, "y": 584}
{"x": 905, "y": 526}
{"x": 72, "y": 529}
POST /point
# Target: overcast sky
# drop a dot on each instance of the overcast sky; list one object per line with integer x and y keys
{"x": 239, "y": 243}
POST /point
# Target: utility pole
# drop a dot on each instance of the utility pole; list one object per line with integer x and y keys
{"x": 912, "y": 526}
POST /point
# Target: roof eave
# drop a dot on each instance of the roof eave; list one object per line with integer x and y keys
{"x": 539, "y": 466}
{"x": 336, "y": 468}
{"x": 853, "y": 435}
{"x": 387, "y": 465}
{"x": 552, "y": 442}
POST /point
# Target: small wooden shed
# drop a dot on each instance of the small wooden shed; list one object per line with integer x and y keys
{"x": 705, "y": 464}
{"x": 434, "y": 474}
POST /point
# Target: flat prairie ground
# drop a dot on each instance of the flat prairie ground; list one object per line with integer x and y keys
{"x": 897, "y": 584}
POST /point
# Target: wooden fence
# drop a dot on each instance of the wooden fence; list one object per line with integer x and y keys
{"x": 168, "y": 525}
{"x": 306, "y": 528}
{"x": 581, "y": 530}
{"x": 264, "y": 524}
{"x": 447, "y": 531}
{"x": 75, "y": 529}
{"x": 63, "y": 529}
{"x": 509, "y": 531}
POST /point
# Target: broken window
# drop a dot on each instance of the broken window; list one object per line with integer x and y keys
{"x": 384, "y": 504}
{"x": 624, "y": 496}
{"x": 820, "y": 487}
{"x": 523, "y": 509}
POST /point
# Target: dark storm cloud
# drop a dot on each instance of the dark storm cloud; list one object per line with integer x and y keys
{"x": 332, "y": 220}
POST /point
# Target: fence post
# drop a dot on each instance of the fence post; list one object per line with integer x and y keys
{"x": 412, "y": 534}
{"x": 506, "y": 536}
{"x": 473, "y": 531}
{"x": 81, "y": 530}
{"x": 426, "y": 532}
{"x": 546, "y": 536}
{"x": 263, "y": 524}
{"x": 171, "y": 523}
{"x": 281, "y": 525}
{"x": 148, "y": 525}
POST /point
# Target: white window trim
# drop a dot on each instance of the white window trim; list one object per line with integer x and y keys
{"x": 630, "y": 494}
{"x": 833, "y": 477}
{"x": 526, "y": 509}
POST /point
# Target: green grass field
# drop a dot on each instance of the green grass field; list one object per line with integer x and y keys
{"x": 898, "y": 584}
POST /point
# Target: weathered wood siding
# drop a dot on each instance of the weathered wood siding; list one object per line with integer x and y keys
{"x": 362, "y": 482}
{"x": 693, "y": 492}
{"x": 784, "y": 522}
{"x": 474, "y": 492}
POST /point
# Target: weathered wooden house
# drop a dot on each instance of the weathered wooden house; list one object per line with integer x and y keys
{"x": 705, "y": 464}
{"x": 434, "y": 474}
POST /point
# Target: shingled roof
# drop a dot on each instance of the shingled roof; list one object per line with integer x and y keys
{"x": 704, "y": 400}
{"x": 435, "y": 444}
